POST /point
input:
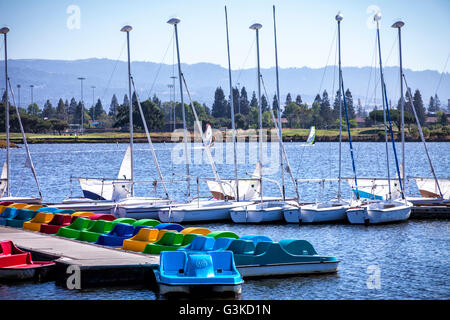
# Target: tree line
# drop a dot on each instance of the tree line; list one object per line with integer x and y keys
{"x": 165, "y": 116}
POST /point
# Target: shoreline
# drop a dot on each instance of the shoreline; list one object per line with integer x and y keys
{"x": 166, "y": 138}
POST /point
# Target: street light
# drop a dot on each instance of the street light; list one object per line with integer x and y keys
{"x": 93, "y": 104}
{"x": 31, "y": 86}
{"x": 18, "y": 92}
{"x": 82, "y": 105}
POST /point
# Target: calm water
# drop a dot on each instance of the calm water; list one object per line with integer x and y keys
{"x": 412, "y": 257}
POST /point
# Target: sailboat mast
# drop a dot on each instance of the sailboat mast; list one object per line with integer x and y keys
{"x": 232, "y": 110}
{"x": 279, "y": 109}
{"x": 256, "y": 27}
{"x": 399, "y": 25}
{"x": 5, "y": 30}
{"x": 174, "y": 22}
{"x": 377, "y": 18}
{"x": 339, "y": 18}
{"x": 341, "y": 93}
{"x": 127, "y": 29}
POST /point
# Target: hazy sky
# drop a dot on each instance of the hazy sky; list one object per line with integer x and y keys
{"x": 51, "y": 29}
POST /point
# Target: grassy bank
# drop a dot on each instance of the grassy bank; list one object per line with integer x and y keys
{"x": 372, "y": 134}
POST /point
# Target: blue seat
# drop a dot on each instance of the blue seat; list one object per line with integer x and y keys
{"x": 8, "y": 213}
{"x": 200, "y": 243}
{"x": 48, "y": 209}
{"x": 169, "y": 226}
{"x": 256, "y": 238}
{"x": 181, "y": 268}
{"x": 137, "y": 228}
{"x": 65, "y": 211}
{"x": 115, "y": 237}
{"x": 222, "y": 243}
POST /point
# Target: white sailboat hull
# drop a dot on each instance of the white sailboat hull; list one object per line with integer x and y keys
{"x": 317, "y": 213}
{"x": 292, "y": 215}
{"x": 136, "y": 208}
{"x": 255, "y": 213}
{"x": 196, "y": 212}
{"x": 378, "y": 214}
{"x": 287, "y": 269}
{"x": 29, "y": 200}
{"x": 86, "y": 205}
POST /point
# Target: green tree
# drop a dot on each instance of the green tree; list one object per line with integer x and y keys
{"x": 113, "y": 107}
{"x": 254, "y": 101}
{"x": 61, "y": 113}
{"x": 418, "y": 105}
{"x": 288, "y": 99}
{"x": 220, "y": 106}
{"x": 33, "y": 109}
{"x": 441, "y": 118}
{"x": 244, "y": 105}
{"x": 48, "y": 111}
{"x": 432, "y": 105}
{"x": 264, "y": 104}
{"x": 350, "y": 107}
{"x": 298, "y": 99}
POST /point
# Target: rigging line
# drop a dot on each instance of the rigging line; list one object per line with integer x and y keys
{"x": 442, "y": 74}
{"x": 245, "y": 61}
{"x": 328, "y": 58}
{"x": 334, "y": 73}
{"x": 114, "y": 70}
{"x": 371, "y": 68}
{"x": 159, "y": 68}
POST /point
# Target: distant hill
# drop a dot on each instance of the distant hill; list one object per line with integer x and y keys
{"x": 54, "y": 79}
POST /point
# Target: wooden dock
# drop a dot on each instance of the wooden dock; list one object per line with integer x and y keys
{"x": 81, "y": 264}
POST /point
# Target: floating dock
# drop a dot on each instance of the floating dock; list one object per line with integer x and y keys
{"x": 82, "y": 265}
{"x": 430, "y": 212}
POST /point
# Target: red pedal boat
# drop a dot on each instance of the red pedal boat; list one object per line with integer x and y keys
{"x": 16, "y": 264}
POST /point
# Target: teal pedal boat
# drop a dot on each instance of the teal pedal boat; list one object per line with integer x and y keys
{"x": 198, "y": 272}
{"x": 286, "y": 257}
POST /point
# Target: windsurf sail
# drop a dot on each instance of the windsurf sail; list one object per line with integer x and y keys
{"x": 312, "y": 136}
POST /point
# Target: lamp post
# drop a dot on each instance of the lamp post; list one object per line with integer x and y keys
{"x": 31, "y": 88}
{"x": 82, "y": 105}
{"x": 175, "y": 22}
{"x": 93, "y": 103}
{"x": 18, "y": 92}
{"x": 4, "y": 31}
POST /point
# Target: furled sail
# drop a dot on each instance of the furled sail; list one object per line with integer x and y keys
{"x": 3, "y": 179}
{"x": 429, "y": 189}
{"x": 377, "y": 189}
{"x": 248, "y": 189}
{"x": 109, "y": 189}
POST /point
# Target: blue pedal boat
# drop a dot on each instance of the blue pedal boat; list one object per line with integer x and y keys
{"x": 115, "y": 237}
{"x": 286, "y": 257}
{"x": 187, "y": 272}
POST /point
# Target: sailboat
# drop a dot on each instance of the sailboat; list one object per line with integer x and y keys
{"x": 116, "y": 196}
{"x": 268, "y": 209}
{"x": 100, "y": 195}
{"x": 390, "y": 209}
{"x": 5, "y": 185}
{"x": 311, "y": 140}
{"x": 334, "y": 209}
{"x": 202, "y": 210}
